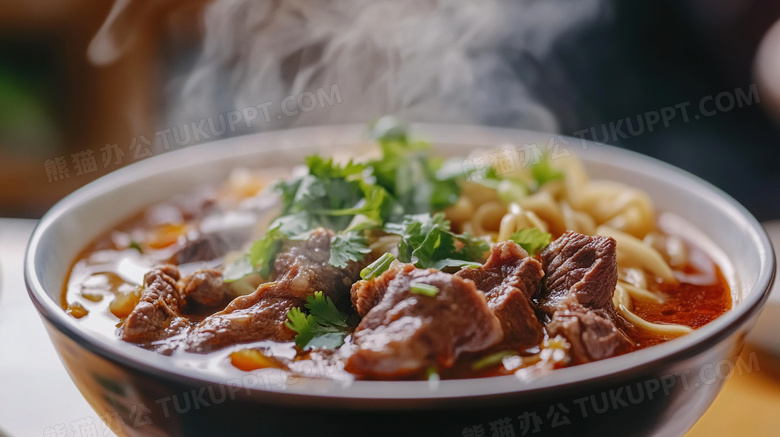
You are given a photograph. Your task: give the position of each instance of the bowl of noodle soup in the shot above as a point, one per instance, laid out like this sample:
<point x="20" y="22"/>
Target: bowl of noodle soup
<point x="661" y="218"/>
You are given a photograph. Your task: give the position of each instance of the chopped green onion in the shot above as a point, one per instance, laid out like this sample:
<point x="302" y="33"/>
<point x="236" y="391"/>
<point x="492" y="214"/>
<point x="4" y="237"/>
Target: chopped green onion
<point x="432" y="375"/>
<point x="135" y="245"/>
<point x="377" y="267"/>
<point x="424" y="289"/>
<point x="492" y="359"/>
<point x="544" y="172"/>
<point x="510" y="190"/>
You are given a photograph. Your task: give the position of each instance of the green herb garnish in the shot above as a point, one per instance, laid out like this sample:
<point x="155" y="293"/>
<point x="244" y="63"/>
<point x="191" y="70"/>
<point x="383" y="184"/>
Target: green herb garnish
<point x="432" y="375"/>
<point x="355" y="199"/>
<point x="427" y="242"/>
<point x="513" y="189"/>
<point x="330" y="196"/>
<point x="419" y="182"/>
<point x="323" y="327"/>
<point x="377" y="267"/>
<point x="532" y="240"/>
<point x="237" y="269"/>
<point x="135" y="245"/>
<point x="492" y="360"/>
<point x="423" y="289"/>
<point x="346" y="247"/>
<point x="543" y="172"/>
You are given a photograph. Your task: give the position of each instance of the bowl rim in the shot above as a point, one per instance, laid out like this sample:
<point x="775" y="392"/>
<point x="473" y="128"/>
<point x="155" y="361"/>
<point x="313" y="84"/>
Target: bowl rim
<point x="398" y="393"/>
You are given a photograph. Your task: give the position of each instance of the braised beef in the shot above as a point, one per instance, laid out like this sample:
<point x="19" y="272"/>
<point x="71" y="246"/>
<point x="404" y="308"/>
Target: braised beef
<point x="580" y="279"/>
<point x="254" y="317"/>
<point x="404" y="333"/>
<point x="156" y="316"/>
<point x="509" y="279"/>
<point x="365" y="295"/>
<point x="205" y="289"/>
<point x="305" y="269"/>
<point x="299" y="272"/>
<point x="207" y="247"/>
<point x="579" y="268"/>
<point x="592" y="334"/>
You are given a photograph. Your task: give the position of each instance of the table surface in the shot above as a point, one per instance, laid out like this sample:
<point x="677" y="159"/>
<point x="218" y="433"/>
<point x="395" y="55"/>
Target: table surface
<point x="37" y="397"/>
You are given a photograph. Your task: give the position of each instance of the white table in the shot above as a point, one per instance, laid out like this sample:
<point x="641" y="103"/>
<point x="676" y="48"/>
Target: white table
<point x="37" y="397"/>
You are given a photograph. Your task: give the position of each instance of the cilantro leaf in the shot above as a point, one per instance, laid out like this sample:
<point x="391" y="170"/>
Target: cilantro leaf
<point x="310" y="189"/>
<point x="387" y="129"/>
<point x="352" y="198"/>
<point x="374" y="205"/>
<point x="408" y="173"/>
<point x="472" y="248"/>
<point x="324" y="311"/>
<point x="532" y="240"/>
<point x="346" y="247"/>
<point x="263" y="251"/>
<point x="237" y="269"/>
<point x="329" y="194"/>
<point x="326" y="169"/>
<point x="427" y="242"/>
<point x="323" y="327"/>
<point x="302" y="324"/>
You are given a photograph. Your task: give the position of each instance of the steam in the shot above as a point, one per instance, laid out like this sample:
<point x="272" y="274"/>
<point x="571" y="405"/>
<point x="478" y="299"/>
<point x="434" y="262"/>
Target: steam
<point x="424" y="60"/>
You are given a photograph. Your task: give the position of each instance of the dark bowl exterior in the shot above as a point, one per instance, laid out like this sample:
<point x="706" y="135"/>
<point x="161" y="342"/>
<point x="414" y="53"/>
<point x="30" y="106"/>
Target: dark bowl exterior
<point x="664" y="399"/>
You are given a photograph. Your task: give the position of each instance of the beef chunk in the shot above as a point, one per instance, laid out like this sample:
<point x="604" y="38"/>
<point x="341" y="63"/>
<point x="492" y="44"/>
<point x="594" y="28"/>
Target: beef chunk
<point x="580" y="279"/>
<point x="205" y="289"/>
<point x="207" y="247"/>
<point x="405" y="333"/>
<point x="304" y="269"/>
<point x="254" y="317"/>
<point x="593" y="334"/>
<point x="365" y="295"/>
<point x="581" y="269"/>
<point x="298" y="273"/>
<point x="509" y="278"/>
<point x="156" y="316"/>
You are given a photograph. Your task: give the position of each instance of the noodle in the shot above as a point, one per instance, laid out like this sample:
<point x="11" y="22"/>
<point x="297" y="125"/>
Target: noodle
<point x="460" y="211"/>
<point x="632" y="252"/>
<point x="487" y="218"/>
<point x="544" y="206"/>
<point x="657" y="328"/>
<point x="591" y="207"/>
<point x="517" y="219"/>
<point x="639" y="293"/>
<point x="617" y="205"/>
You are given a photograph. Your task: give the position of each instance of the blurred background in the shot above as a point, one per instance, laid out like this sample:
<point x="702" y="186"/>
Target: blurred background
<point x="87" y="87"/>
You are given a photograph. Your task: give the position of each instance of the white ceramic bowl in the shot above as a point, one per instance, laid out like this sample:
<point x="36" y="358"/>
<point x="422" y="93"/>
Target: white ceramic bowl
<point x="674" y="377"/>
